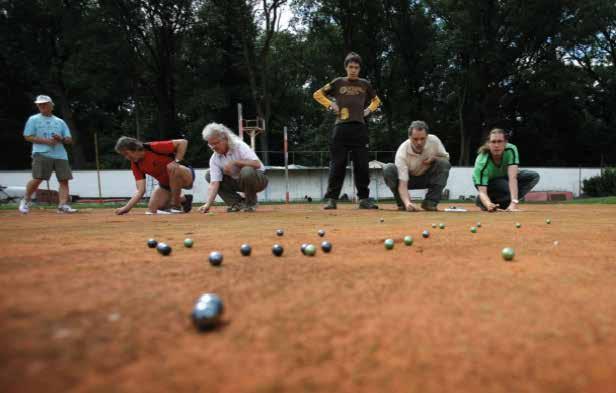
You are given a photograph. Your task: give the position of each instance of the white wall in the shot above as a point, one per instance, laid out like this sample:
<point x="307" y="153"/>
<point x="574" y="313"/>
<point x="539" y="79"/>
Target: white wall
<point x="309" y="181"/>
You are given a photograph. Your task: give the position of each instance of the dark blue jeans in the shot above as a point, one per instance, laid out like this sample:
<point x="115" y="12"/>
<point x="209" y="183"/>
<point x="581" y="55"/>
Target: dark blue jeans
<point x="498" y="188"/>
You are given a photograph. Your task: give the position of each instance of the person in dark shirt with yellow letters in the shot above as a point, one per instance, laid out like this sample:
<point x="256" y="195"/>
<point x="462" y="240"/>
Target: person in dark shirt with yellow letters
<point x="350" y="95"/>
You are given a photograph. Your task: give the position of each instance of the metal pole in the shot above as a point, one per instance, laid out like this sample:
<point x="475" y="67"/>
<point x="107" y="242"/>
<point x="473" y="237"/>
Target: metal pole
<point x="580" y="181"/>
<point x="240" y="128"/>
<point x="98" y="168"/>
<point x="286" y="166"/>
<point x="252" y="140"/>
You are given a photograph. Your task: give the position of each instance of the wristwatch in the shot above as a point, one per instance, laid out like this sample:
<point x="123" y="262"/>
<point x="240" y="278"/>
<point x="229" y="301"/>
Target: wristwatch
<point x="515" y="201"/>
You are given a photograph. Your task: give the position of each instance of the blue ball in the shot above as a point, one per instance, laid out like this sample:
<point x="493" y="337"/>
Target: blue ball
<point x="245" y="249"/>
<point x="277" y="250"/>
<point x="215" y="258"/>
<point x="326" y="246"/>
<point x="163" y="248"/>
<point x="207" y="311"/>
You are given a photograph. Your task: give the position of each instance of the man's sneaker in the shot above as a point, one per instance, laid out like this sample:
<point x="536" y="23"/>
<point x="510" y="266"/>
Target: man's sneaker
<point x="24" y="206"/>
<point x="367" y="203"/>
<point x="187" y="204"/>
<point x="236" y="207"/>
<point x="429" y="206"/>
<point x="175" y="210"/>
<point x="66" y="209"/>
<point x="331" y="204"/>
<point x="249" y="209"/>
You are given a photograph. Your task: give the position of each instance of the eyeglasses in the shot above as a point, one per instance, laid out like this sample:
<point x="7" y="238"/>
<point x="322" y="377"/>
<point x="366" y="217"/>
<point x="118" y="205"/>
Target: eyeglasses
<point x="497" y="142"/>
<point x="215" y="143"/>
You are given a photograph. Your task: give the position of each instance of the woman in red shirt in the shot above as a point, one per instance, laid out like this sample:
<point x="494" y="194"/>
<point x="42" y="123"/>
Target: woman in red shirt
<point x="163" y="161"/>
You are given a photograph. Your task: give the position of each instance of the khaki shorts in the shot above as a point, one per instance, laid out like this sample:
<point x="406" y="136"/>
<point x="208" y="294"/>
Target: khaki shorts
<point x="43" y="166"/>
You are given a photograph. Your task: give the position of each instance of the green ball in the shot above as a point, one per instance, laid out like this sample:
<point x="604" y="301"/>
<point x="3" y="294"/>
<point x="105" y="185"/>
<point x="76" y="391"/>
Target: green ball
<point x="408" y="240"/>
<point x="508" y="253"/>
<point x="474" y="229"/>
<point x="188" y="243"/>
<point x="389" y="244"/>
<point x="548" y="221"/>
<point x="441" y="225"/>
<point x="478" y="225"/>
<point x="518" y="225"/>
<point x="310" y="250"/>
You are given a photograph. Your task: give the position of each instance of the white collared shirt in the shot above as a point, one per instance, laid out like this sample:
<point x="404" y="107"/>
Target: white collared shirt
<point x="410" y="163"/>
<point x="240" y="152"/>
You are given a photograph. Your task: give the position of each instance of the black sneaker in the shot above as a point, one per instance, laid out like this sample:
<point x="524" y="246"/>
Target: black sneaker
<point x="367" y="203"/>
<point x="187" y="204"/>
<point x="331" y="204"/>
<point x="236" y="207"/>
<point x="429" y="206"/>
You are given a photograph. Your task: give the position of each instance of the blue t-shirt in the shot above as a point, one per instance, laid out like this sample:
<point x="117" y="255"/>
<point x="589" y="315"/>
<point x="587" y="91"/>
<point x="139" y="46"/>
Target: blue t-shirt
<point x="45" y="127"/>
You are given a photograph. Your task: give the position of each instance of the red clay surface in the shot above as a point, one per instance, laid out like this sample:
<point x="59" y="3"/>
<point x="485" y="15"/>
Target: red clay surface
<point x="85" y="306"/>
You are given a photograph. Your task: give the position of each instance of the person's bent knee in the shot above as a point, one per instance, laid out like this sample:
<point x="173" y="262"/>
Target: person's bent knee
<point x="390" y="171"/>
<point x="171" y="167"/>
<point x="247" y="171"/>
<point x="534" y="176"/>
<point x="442" y="164"/>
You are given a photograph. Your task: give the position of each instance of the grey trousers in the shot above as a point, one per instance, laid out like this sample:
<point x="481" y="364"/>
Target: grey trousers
<point x="250" y="182"/>
<point x="498" y="188"/>
<point x="435" y="180"/>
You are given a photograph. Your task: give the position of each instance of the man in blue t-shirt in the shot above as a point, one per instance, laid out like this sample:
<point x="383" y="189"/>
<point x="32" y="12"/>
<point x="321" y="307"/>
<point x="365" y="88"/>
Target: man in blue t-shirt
<point x="48" y="134"/>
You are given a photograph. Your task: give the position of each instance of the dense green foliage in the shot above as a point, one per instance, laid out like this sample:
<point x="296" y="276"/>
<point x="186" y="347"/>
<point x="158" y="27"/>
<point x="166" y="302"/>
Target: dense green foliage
<point x="164" y="68"/>
<point x="602" y="185"/>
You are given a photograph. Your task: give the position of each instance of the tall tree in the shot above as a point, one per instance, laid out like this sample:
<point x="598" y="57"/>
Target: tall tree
<point x="155" y="29"/>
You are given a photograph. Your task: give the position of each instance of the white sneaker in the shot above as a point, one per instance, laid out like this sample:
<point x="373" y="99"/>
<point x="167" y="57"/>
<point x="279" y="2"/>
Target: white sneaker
<point x="66" y="209"/>
<point x="24" y="206"/>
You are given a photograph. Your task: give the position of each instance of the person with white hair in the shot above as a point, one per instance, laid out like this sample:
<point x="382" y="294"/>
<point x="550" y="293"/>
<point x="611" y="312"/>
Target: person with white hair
<point x="234" y="167"/>
<point x="48" y="135"/>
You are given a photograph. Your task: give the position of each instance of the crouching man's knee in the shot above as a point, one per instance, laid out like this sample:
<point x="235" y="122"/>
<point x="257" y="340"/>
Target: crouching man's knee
<point x="390" y="175"/>
<point x="247" y="171"/>
<point x="441" y="165"/>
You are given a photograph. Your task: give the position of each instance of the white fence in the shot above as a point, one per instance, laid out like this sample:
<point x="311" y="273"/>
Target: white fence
<point x="302" y="182"/>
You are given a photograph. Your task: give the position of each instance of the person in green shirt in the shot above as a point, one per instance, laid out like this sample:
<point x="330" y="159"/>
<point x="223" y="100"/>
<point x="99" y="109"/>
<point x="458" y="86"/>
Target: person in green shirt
<point x="497" y="176"/>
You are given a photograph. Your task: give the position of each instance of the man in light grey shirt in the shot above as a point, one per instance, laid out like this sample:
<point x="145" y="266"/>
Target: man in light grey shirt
<point x="421" y="162"/>
<point x="234" y="167"/>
